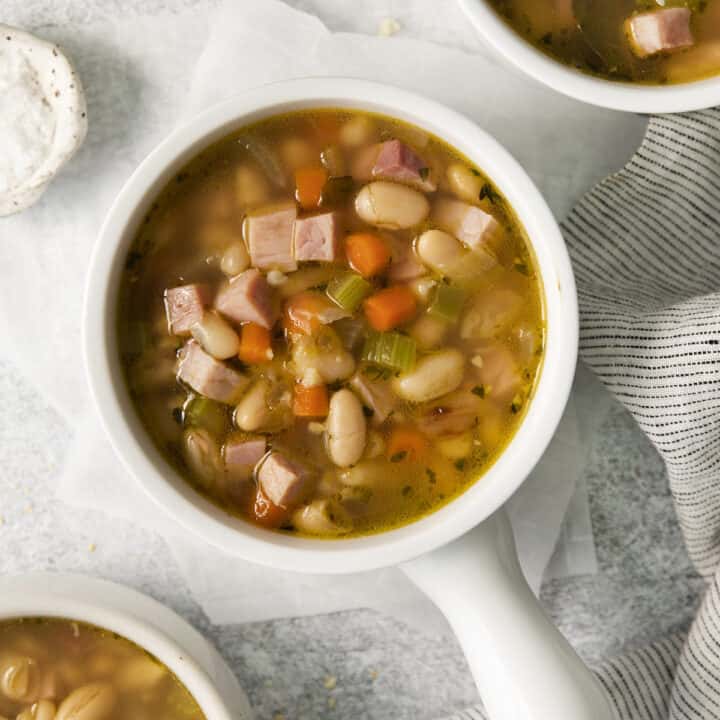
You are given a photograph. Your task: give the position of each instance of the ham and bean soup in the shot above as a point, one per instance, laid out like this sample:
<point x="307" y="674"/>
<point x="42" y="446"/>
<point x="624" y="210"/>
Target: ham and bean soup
<point x="645" y="41"/>
<point x="63" y="670"/>
<point x="331" y="323"/>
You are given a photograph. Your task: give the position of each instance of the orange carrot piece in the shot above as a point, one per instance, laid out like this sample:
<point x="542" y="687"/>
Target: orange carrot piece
<point x="309" y="184"/>
<point x="255" y="344"/>
<point x="391" y="307"/>
<point x="303" y="311"/>
<point x="310" y="401"/>
<point x="406" y="443"/>
<point x="367" y="253"/>
<point x="264" y="512"/>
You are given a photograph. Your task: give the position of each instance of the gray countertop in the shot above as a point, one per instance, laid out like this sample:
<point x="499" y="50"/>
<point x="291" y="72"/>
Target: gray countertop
<point x="645" y="585"/>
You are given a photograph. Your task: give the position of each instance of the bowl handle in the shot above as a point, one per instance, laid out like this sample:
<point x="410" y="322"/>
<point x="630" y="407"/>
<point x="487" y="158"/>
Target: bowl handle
<point x="523" y="667"/>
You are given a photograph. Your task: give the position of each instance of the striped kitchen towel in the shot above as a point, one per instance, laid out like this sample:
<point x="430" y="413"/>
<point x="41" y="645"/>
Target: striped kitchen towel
<point x="645" y="246"/>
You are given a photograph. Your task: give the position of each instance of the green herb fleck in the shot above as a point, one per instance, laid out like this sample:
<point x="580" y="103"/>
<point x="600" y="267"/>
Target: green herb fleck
<point x="398" y="456"/>
<point x="177" y="413"/>
<point x="460" y="464"/>
<point x="432" y="475"/>
<point x="475" y="172"/>
<point x="424" y="172"/>
<point x="547" y="38"/>
<point x="521" y="267"/>
<point x="479" y="390"/>
<point x="407" y="490"/>
<point x="487" y="191"/>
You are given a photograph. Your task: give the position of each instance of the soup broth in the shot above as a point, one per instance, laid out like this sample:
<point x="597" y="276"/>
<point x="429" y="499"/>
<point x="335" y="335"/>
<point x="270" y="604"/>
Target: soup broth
<point x="639" y="41"/>
<point x="331" y="323"/>
<point x="54" y="669"/>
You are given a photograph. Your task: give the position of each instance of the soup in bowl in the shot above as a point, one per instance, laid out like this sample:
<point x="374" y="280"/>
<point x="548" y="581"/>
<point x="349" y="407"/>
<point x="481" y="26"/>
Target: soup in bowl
<point x="330" y="309"/>
<point x="75" y="648"/>
<point x="636" y="55"/>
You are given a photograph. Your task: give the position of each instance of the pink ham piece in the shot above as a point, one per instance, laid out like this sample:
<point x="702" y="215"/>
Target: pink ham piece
<point x="248" y="298"/>
<point x="404" y="264"/>
<point x="393" y="160"/>
<point x="208" y="376"/>
<point x="470" y="224"/>
<point x="498" y="373"/>
<point x="242" y="455"/>
<point x="184" y="306"/>
<point x="270" y="237"/>
<point x="284" y="483"/>
<point x="317" y="237"/>
<point x="657" y="31"/>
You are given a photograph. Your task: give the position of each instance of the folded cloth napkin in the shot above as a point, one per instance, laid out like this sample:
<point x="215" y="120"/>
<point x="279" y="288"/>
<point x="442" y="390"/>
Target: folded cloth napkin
<point x="644" y="246"/>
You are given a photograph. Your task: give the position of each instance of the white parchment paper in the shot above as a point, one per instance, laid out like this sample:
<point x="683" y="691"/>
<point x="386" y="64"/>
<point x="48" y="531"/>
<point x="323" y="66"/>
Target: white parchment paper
<point x="142" y="78"/>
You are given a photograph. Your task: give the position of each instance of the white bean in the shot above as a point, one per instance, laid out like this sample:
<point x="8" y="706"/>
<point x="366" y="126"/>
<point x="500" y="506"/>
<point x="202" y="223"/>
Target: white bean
<point x="41" y="710"/>
<point x="439" y="250"/>
<point x="19" y="678"/>
<point x="345" y="428"/>
<point x="322" y="517"/>
<point x="139" y="674"/>
<point x="464" y="182"/>
<point x="455" y="447"/>
<point x="89" y="702"/>
<point x="391" y="205"/>
<point x="216" y="336"/>
<point x="235" y="259"/>
<point x="357" y="131"/>
<point x="252" y="412"/>
<point x="433" y="376"/>
<point x="251" y="186"/>
<point x="422" y="288"/>
<point x="428" y="331"/>
<point x="297" y="152"/>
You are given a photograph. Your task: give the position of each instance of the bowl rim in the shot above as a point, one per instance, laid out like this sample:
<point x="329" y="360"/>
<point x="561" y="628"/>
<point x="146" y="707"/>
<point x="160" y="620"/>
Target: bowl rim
<point x="615" y="95"/>
<point x="135" y="617"/>
<point x="282" y="551"/>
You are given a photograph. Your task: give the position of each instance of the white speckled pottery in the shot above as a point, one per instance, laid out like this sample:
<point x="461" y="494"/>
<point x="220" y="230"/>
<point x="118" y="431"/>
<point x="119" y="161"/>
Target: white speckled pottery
<point x="62" y="90"/>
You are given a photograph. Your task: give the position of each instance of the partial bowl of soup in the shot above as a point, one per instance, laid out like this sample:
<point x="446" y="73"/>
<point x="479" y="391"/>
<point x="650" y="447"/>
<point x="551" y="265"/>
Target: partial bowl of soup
<point x="74" y="648"/>
<point x="633" y="55"/>
<point x="330" y="310"/>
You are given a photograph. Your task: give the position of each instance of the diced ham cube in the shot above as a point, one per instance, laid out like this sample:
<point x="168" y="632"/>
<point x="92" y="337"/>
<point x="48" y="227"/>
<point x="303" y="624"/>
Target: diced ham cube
<point x="241" y="456"/>
<point x="317" y="237"/>
<point x="404" y="263"/>
<point x="661" y="30"/>
<point x="470" y="224"/>
<point x="375" y="394"/>
<point x="392" y="160"/>
<point x="498" y="372"/>
<point x="270" y="237"/>
<point x="284" y="482"/>
<point x="248" y="298"/>
<point x="208" y="376"/>
<point x="184" y="306"/>
<point x="397" y="161"/>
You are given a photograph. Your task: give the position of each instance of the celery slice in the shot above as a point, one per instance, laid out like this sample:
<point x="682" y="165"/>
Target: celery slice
<point x="391" y="350"/>
<point x="348" y="291"/>
<point x="447" y="303"/>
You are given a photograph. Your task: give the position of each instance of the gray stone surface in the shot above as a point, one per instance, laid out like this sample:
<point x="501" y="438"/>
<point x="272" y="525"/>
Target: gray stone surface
<point x="645" y="585"/>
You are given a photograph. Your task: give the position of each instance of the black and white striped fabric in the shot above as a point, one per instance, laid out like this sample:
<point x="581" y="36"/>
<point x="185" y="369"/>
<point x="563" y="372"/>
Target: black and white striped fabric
<point x="645" y="245"/>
